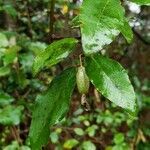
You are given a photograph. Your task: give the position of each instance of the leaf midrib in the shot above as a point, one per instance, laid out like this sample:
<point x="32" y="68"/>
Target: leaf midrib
<point x="118" y="89"/>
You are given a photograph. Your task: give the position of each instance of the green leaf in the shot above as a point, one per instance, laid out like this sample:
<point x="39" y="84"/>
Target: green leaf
<point x="88" y="145"/>
<point x="141" y="2"/>
<point x="54" y="137"/>
<point x="71" y="143"/>
<point x="3" y="40"/>
<point x="111" y="79"/>
<point x="11" y="115"/>
<point x="26" y="61"/>
<point x="15" y="146"/>
<point x="2" y="50"/>
<point x="79" y="131"/>
<point x="4" y="71"/>
<point x="51" y="107"/>
<point x="37" y="47"/>
<point x="54" y="53"/>
<point x="10" y="54"/>
<point x="5" y="99"/>
<point x="92" y="130"/>
<point x="119" y="138"/>
<point x="104" y="22"/>
<point x="10" y="10"/>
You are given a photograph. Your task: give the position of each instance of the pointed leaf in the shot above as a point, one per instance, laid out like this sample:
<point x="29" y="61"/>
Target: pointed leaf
<point x="104" y="22"/>
<point x="50" y="107"/>
<point x="111" y="79"/>
<point x="54" y="53"/>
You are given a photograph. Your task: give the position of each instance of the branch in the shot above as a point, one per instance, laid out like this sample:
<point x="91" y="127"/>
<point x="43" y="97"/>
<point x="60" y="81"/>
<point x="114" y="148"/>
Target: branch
<point x="59" y="37"/>
<point x="140" y="37"/>
<point x="51" y="24"/>
<point x="16" y="135"/>
<point x="26" y="3"/>
<point x="56" y="38"/>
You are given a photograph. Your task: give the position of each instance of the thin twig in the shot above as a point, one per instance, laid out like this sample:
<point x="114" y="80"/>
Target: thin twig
<point x="26" y="94"/>
<point x="51" y="24"/>
<point x="97" y="96"/>
<point x="29" y="17"/>
<point x="61" y="37"/>
<point x="80" y="58"/>
<point x="16" y="135"/>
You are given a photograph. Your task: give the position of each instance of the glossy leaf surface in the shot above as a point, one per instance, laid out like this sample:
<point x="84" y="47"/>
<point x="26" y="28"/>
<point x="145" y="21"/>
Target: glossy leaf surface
<point x="54" y="53"/>
<point x="101" y="21"/>
<point x="111" y="79"/>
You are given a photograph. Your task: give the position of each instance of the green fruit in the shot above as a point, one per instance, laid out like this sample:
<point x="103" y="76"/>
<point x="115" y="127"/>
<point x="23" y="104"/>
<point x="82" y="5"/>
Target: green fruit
<point x="82" y="80"/>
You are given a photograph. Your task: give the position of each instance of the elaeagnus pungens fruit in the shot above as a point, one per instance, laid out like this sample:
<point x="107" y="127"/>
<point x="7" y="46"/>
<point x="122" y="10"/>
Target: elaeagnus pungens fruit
<point x="82" y="80"/>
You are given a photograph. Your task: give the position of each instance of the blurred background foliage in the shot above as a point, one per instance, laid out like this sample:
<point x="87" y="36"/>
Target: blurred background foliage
<point x="24" y="32"/>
